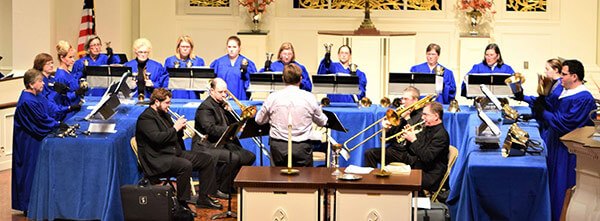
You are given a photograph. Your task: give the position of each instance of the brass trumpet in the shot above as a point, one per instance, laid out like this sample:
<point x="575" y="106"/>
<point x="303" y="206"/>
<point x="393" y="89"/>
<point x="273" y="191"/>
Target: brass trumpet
<point x="393" y="116"/>
<point x="417" y="127"/>
<point x="188" y="130"/>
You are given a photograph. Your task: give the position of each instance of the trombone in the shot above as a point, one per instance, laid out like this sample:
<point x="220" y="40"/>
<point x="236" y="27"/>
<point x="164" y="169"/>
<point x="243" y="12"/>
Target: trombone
<point x="418" y="127"/>
<point x="393" y="117"/>
<point x="175" y="116"/>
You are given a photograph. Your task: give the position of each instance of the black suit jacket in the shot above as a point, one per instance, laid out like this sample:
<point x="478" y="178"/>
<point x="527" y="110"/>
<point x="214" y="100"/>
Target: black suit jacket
<point x="210" y="121"/>
<point x="415" y="117"/>
<point x="158" y="142"/>
<point x="430" y="154"/>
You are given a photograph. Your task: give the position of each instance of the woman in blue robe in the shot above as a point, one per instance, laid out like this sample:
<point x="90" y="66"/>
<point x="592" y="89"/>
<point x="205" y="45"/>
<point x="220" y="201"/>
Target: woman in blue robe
<point x="286" y="56"/>
<point x="574" y="105"/>
<point x="157" y="77"/>
<point x="74" y="95"/>
<point x="94" y="57"/>
<point x="230" y="68"/>
<point x="184" y="54"/>
<point x="433" y="53"/>
<point x="31" y="124"/>
<point x="492" y="64"/>
<point x="328" y="67"/>
<point x="43" y="62"/>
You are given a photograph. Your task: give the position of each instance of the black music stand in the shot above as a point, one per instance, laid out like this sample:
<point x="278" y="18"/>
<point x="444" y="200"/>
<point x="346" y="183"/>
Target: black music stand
<point x="495" y="82"/>
<point x="102" y="76"/>
<point x="252" y="129"/>
<point x="335" y="84"/>
<point x="105" y="109"/>
<point x="267" y="81"/>
<point x="193" y="78"/>
<point x="426" y="82"/>
<point x="333" y="123"/>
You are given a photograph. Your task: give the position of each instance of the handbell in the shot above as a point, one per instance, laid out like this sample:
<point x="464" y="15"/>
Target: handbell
<point x="83" y="83"/>
<point x="439" y="70"/>
<point x="544" y="85"/>
<point x="353" y="68"/>
<point x="176" y="64"/>
<point x="328" y="47"/>
<point x="189" y="63"/>
<point x="454" y="106"/>
<point x="85" y="62"/>
<point x="515" y="82"/>
<point x="510" y="113"/>
<point x="515" y="143"/>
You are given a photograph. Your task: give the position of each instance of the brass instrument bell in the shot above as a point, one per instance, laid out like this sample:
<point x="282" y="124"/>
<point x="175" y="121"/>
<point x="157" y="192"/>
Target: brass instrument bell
<point x="515" y="82"/>
<point x="392" y="117"/>
<point x="328" y="47"/>
<point x="453" y="106"/>
<point x="439" y="70"/>
<point x="176" y="64"/>
<point x="544" y="85"/>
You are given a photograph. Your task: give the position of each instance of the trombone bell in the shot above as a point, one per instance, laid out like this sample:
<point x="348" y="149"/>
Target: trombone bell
<point x="392" y="117"/>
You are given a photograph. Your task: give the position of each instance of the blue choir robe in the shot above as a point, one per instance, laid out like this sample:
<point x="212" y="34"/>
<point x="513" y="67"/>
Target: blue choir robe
<point x="551" y="102"/>
<point x="237" y="83"/>
<point x="56" y="110"/>
<point x="31" y="124"/>
<point x="156" y="73"/>
<point x="78" y="67"/>
<point x="484" y="69"/>
<point x="170" y="63"/>
<point x="449" y="91"/>
<point x="335" y="68"/>
<point x="306" y="84"/>
<point x="571" y="113"/>
<point x="64" y="77"/>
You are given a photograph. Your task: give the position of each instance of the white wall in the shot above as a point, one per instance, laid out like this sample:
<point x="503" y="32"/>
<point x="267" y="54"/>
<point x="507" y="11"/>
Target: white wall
<point x="5" y="35"/>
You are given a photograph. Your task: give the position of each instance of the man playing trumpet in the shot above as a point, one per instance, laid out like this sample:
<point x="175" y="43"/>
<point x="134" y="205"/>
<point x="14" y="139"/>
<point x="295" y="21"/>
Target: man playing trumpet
<point x="427" y="150"/>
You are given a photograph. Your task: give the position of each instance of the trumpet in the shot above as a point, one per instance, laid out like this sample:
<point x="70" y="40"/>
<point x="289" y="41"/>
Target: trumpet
<point x="188" y="127"/>
<point x="417" y="128"/>
<point x="393" y="116"/>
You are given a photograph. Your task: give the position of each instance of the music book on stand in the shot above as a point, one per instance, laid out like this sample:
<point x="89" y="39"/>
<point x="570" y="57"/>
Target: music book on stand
<point x="333" y="122"/>
<point x="102" y="76"/>
<point x="495" y="82"/>
<point x="194" y="78"/>
<point x="335" y="84"/>
<point x="230" y="133"/>
<point x="252" y="129"/>
<point x="266" y="82"/>
<point x="426" y="82"/>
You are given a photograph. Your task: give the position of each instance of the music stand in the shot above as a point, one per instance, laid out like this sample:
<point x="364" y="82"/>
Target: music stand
<point x="102" y="76"/>
<point x="105" y="109"/>
<point x="119" y="86"/>
<point x="335" y="84"/>
<point x="426" y="82"/>
<point x="266" y="81"/>
<point x="333" y="123"/>
<point x="193" y="78"/>
<point x="495" y="82"/>
<point x="252" y="129"/>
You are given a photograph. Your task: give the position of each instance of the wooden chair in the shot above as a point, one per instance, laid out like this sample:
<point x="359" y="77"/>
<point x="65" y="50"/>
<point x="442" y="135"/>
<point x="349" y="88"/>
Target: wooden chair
<point x="452" y="154"/>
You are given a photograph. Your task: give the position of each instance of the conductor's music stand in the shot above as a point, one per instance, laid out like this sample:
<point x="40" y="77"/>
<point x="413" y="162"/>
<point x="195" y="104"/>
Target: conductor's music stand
<point x="252" y="129"/>
<point x="333" y="122"/>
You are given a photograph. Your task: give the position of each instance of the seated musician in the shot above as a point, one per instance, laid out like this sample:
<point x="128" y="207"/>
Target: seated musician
<point x="213" y="117"/>
<point x="287" y="56"/>
<point x="427" y="150"/>
<point x="449" y="88"/>
<point x="161" y="151"/>
<point x="345" y="57"/>
<point x="492" y="64"/>
<point x="297" y="106"/>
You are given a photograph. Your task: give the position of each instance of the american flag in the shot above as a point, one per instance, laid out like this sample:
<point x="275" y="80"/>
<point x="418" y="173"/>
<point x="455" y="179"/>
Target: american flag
<point x="87" y="27"/>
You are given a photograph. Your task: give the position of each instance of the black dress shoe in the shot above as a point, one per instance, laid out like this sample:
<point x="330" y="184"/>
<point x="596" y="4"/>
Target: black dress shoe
<point x="190" y="211"/>
<point x="220" y="195"/>
<point x="205" y="202"/>
<point x="214" y="200"/>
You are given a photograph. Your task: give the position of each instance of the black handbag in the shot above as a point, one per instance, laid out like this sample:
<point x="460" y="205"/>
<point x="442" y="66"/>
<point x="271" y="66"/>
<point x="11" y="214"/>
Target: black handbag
<point x="148" y="202"/>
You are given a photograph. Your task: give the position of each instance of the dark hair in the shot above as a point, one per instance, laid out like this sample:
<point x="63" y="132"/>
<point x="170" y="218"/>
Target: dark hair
<point x="435" y="47"/>
<point x="397" y="102"/>
<point x="416" y="92"/>
<point x="325" y="102"/>
<point x="437" y="108"/>
<point x="555" y="64"/>
<point x="349" y="49"/>
<point x="160" y="94"/>
<point x="236" y="39"/>
<point x="89" y="41"/>
<point x="575" y="67"/>
<point x="496" y="49"/>
<point x="292" y="74"/>
<point x="31" y="76"/>
<point x="40" y="60"/>
<point x="286" y="46"/>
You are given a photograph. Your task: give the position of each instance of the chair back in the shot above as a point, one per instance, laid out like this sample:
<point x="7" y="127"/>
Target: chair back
<point x="452" y="154"/>
<point x="134" y="147"/>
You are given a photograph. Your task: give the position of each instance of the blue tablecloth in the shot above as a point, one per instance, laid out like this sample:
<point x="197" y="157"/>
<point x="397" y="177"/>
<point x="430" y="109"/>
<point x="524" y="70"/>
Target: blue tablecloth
<point x="79" y="178"/>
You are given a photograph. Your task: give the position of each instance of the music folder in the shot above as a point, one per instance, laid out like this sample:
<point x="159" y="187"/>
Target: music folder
<point x="495" y="82"/>
<point x="230" y="133"/>
<point x="252" y="129"/>
<point x="426" y="82"/>
<point x="102" y="76"/>
<point x="267" y="81"/>
<point x="333" y="122"/>
<point x="340" y="83"/>
<point x="193" y="78"/>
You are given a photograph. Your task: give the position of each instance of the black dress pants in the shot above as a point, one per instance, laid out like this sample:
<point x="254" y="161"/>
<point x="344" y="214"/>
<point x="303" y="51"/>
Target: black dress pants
<point x="373" y="156"/>
<point x="301" y="153"/>
<point x="182" y="167"/>
<point x="228" y="167"/>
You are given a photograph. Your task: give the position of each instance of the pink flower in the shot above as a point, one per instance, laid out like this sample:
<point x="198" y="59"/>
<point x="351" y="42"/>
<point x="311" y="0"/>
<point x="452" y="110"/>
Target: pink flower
<point x="256" y="6"/>
<point x="476" y="5"/>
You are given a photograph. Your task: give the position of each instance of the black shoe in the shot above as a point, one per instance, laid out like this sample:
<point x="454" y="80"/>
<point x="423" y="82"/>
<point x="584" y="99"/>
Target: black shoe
<point x="220" y="195"/>
<point x="187" y="209"/>
<point x="205" y="202"/>
<point x="214" y="200"/>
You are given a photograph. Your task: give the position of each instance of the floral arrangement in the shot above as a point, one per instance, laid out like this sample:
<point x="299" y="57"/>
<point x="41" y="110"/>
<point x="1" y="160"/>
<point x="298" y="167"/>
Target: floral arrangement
<point x="476" y="5"/>
<point x="256" y="6"/>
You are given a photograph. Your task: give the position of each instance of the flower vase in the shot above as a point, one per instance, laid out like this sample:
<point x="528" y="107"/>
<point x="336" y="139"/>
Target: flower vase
<point x="474" y="17"/>
<point x="256" y="22"/>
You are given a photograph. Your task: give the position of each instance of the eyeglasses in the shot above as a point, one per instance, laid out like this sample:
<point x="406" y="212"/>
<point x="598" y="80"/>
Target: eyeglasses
<point x="95" y="45"/>
<point x="564" y="74"/>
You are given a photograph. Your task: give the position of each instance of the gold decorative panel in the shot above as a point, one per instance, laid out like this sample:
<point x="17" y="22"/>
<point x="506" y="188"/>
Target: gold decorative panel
<point x="526" y="5"/>
<point x="209" y="3"/>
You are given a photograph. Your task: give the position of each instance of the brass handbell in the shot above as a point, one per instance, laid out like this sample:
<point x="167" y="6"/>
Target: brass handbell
<point x="176" y="64"/>
<point x="544" y="85"/>
<point x="189" y="64"/>
<point x="83" y="83"/>
<point x="510" y="113"/>
<point x="453" y="106"/>
<point x="86" y="62"/>
<point x="515" y="143"/>
<point x="515" y="82"/>
<point x="353" y="68"/>
<point x="328" y="47"/>
<point x="439" y="70"/>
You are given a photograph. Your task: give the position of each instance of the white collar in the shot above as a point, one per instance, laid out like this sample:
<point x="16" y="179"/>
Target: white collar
<point x="566" y="93"/>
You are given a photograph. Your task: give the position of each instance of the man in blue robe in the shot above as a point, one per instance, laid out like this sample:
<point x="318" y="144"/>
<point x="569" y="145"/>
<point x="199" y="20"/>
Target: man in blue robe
<point x="185" y="58"/>
<point x="328" y="67"/>
<point x="449" y="89"/>
<point x="31" y="124"/>
<point x="492" y="64"/>
<point x="574" y="105"/>
<point x="94" y="57"/>
<point x="235" y="69"/>
<point x="151" y="74"/>
<point x="286" y="56"/>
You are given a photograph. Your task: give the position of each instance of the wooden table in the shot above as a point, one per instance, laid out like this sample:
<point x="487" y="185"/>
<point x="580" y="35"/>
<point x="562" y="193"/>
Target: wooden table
<point x="584" y="204"/>
<point x="266" y="194"/>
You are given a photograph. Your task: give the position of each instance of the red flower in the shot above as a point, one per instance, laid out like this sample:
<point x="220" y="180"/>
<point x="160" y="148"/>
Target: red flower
<point x="476" y="5"/>
<point x="256" y="6"/>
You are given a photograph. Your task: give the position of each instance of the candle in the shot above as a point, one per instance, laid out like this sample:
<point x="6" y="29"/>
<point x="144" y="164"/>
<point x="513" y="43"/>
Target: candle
<point x="382" y="150"/>
<point x="290" y="139"/>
